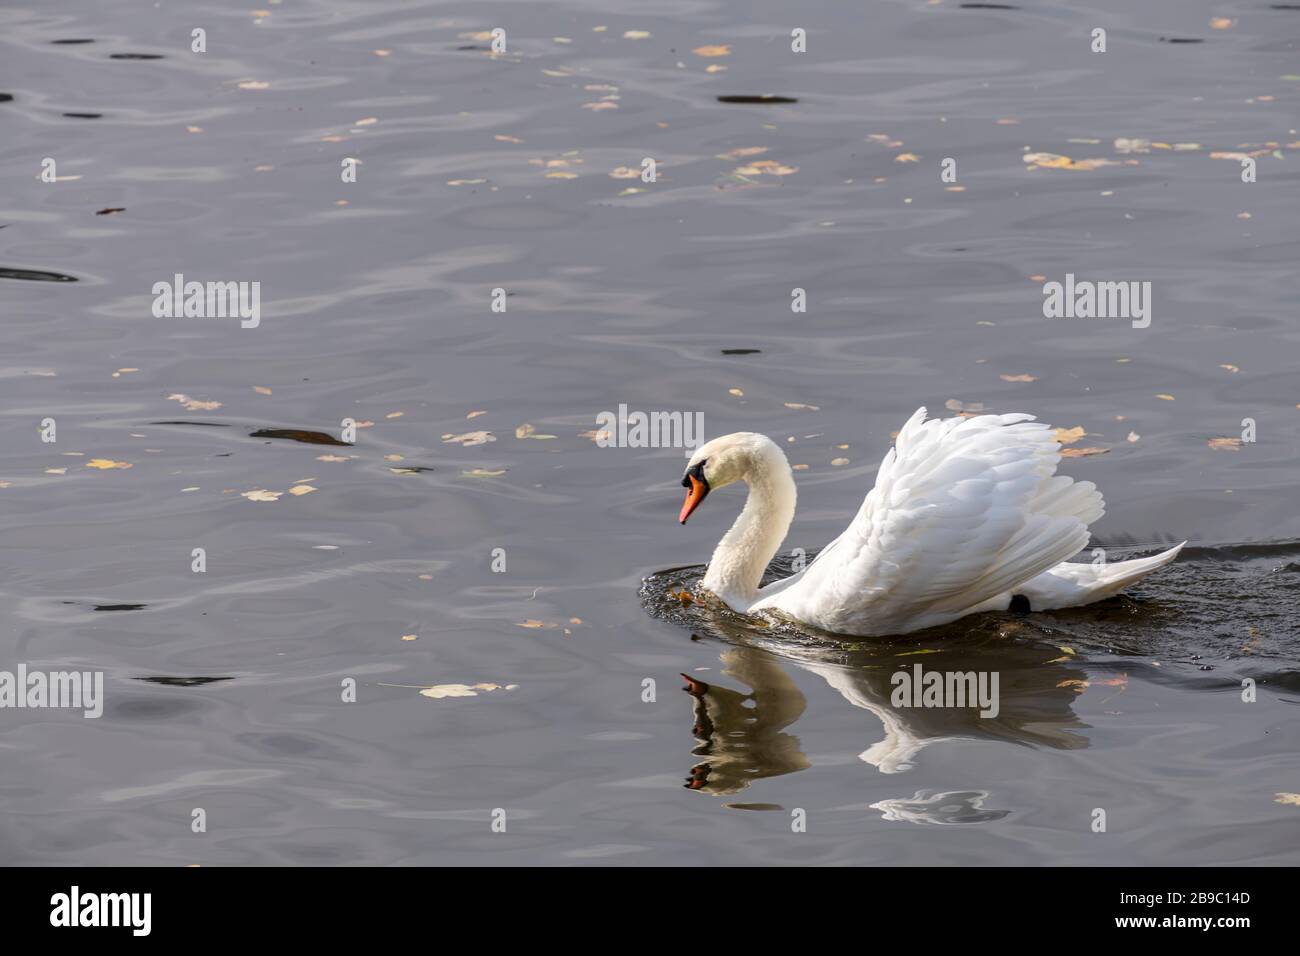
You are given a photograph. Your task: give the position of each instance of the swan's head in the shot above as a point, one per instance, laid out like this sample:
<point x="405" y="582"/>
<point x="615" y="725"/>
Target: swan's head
<point x="718" y="463"/>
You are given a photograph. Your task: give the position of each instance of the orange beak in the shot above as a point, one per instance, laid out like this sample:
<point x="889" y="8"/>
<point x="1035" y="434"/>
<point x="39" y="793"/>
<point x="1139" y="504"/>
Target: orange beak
<point x="694" y="495"/>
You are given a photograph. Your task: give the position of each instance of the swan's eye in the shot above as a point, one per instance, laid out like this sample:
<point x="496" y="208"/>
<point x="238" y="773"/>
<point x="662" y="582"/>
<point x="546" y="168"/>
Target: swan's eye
<point x="696" y="471"/>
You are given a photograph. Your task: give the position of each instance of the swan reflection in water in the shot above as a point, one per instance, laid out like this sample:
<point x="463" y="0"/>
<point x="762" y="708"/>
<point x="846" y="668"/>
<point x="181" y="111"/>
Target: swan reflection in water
<point x="744" y="735"/>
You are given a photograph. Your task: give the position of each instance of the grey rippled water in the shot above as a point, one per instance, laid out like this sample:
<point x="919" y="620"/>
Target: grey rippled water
<point x="520" y="170"/>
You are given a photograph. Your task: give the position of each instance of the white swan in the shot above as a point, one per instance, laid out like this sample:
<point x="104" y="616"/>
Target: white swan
<point x="966" y="514"/>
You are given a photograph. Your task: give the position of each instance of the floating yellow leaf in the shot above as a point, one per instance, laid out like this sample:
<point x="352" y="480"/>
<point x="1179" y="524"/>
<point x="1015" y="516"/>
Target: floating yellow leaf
<point x="623" y="172"/>
<point x="331" y="457"/>
<point x="438" y="691"/>
<point x="533" y="623"/>
<point x="56" y="471"/>
<point x="1165" y="396"/>
<point x="1230" y="368"/>
<point x="254" y="85"/>
<point x="261" y="390"/>
<point x="1224" y="444"/>
<point x="528" y="431"/>
<point x="1018" y="378"/>
<point x="1057" y="161"/>
<point x="261" y="494"/>
<point x="469" y="438"/>
<point x="907" y="158"/>
<point x="476" y="414"/>
<point x="720" y="49"/>
<point x="301" y="490"/>
<point x="395" y="414"/>
<point x="766" y="167"/>
<point x="1291" y="799"/>
<point x="107" y="463"/>
<point x="408" y="637"/>
<point x="636" y="34"/>
<point x="193" y="404"/>
<point x="483" y="473"/>
<point x="800" y="406"/>
<point x="1222" y="23"/>
<point x="1068" y="436"/>
<point x="465" y="182"/>
<point x="837" y="462"/>
<point x="739" y="393"/>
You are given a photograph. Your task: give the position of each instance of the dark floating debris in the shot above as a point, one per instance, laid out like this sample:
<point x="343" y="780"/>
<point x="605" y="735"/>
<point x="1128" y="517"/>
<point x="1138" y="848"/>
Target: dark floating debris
<point x="753" y="806"/>
<point x="182" y="681"/>
<point x="135" y="56"/>
<point x="764" y="99"/>
<point x="120" y="607"/>
<point x="64" y="42"/>
<point x="473" y="46"/>
<point x="6" y="97"/>
<point x="83" y="115"/>
<point x="208" y="424"/>
<point x="1181" y="40"/>
<point x="110" y="210"/>
<point x="411" y="469"/>
<point x="298" y="434"/>
<point x="741" y="351"/>
<point x="34" y="275"/>
<point x="987" y="6"/>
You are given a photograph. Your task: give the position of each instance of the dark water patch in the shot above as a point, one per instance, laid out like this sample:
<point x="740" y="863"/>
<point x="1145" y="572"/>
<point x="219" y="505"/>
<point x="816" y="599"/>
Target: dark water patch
<point x="136" y="56"/>
<point x="205" y="424"/>
<point x="987" y="6"/>
<point x="6" y="97"/>
<point x="473" y="46"/>
<point x="753" y="806"/>
<point x="83" y="115"/>
<point x="34" y="275"/>
<point x="182" y="681"/>
<point x="1284" y="6"/>
<point x="70" y="41"/>
<point x="741" y="351"/>
<point x="110" y="210"/>
<point x="1181" y="40"/>
<point x="411" y="469"/>
<point x="299" y="435"/>
<point x="120" y="607"/>
<point x="761" y="100"/>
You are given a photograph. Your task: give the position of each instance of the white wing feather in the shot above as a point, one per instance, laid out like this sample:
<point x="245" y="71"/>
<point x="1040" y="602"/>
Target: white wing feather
<point x="963" y="511"/>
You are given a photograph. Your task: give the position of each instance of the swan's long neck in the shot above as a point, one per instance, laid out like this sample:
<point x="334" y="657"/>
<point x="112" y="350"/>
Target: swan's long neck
<point x="744" y="552"/>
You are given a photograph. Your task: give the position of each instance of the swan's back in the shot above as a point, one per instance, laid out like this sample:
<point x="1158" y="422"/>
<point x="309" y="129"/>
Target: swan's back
<point x="963" y="510"/>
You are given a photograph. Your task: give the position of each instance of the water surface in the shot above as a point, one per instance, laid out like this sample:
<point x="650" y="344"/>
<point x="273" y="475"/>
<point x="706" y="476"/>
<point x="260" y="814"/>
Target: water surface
<point x="481" y="171"/>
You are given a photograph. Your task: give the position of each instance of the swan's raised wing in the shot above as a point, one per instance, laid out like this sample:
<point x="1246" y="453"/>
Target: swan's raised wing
<point x="963" y="510"/>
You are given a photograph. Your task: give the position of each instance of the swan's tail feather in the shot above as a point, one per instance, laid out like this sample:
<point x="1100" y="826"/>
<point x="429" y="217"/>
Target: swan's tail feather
<point x="1073" y="585"/>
